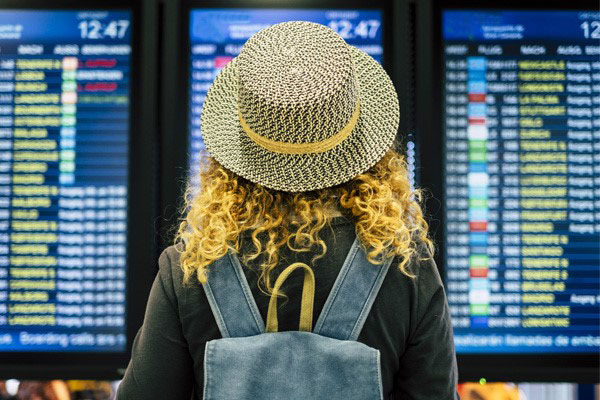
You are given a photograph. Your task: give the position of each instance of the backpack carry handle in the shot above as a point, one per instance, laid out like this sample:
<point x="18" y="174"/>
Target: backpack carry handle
<point x="308" y="298"/>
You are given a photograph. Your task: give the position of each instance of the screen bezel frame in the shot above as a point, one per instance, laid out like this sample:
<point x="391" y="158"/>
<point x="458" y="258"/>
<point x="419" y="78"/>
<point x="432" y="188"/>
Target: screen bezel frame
<point x="140" y="250"/>
<point x="518" y="367"/>
<point x="174" y="141"/>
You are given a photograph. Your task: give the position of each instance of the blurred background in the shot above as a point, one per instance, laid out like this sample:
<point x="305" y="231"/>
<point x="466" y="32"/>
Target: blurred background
<point x="100" y="107"/>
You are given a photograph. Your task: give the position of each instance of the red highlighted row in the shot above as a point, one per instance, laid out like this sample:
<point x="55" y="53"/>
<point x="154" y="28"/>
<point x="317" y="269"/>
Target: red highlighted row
<point x="101" y="63"/>
<point x="478" y="226"/>
<point x="97" y="87"/>
<point x="476" y="97"/>
<point x="478" y="272"/>
<point x="477" y="121"/>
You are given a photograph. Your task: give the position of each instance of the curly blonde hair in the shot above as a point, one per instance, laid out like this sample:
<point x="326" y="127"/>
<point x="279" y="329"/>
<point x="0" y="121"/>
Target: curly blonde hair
<point x="387" y="216"/>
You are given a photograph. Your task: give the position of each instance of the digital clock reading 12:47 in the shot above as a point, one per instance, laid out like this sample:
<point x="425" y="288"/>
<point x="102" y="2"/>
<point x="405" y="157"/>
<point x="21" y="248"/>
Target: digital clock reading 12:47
<point x="94" y="29"/>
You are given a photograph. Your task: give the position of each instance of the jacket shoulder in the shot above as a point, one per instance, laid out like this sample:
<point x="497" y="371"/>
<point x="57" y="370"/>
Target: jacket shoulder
<point x="169" y="269"/>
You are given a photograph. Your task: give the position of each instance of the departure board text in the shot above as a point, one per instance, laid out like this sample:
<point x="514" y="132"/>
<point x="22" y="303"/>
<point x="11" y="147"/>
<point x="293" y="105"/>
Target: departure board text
<point x="64" y="133"/>
<point x="521" y="94"/>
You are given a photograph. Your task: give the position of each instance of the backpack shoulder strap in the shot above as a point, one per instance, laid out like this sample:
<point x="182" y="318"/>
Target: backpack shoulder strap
<point x="352" y="296"/>
<point x="231" y="299"/>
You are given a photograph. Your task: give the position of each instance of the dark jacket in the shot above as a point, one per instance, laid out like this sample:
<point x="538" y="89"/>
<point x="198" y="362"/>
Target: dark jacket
<point x="409" y="324"/>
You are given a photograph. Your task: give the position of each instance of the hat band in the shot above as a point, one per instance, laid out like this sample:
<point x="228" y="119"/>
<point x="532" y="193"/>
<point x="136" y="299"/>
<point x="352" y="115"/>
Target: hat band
<point x="302" y="148"/>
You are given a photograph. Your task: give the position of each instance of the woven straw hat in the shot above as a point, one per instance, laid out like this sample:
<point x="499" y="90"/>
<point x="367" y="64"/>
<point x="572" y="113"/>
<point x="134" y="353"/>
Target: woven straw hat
<point x="299" y="109"/>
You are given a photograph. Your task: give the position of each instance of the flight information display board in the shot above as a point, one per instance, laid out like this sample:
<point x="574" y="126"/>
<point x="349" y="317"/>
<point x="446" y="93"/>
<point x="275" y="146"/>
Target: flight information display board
<point x="64" y="134"/>
<point x="521" y="100"/>
<point x="217" y="36"/>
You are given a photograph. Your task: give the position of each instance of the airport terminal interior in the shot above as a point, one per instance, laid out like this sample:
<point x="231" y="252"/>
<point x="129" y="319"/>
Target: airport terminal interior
<point x="100" y="136"/>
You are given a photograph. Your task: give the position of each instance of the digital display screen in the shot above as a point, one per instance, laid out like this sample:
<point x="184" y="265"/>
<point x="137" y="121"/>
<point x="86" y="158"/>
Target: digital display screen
<point x="64" y="134"/>
<point x="217" y="36"/>
<point x="521" y="101"/>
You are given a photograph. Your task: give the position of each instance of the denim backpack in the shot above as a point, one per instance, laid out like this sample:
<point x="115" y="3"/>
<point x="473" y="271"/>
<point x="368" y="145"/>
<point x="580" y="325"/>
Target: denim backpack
<point x="252" y="361"/>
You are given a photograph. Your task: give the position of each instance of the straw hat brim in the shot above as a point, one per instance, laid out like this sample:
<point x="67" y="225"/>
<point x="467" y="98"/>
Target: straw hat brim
<point x="371" y="138"/>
